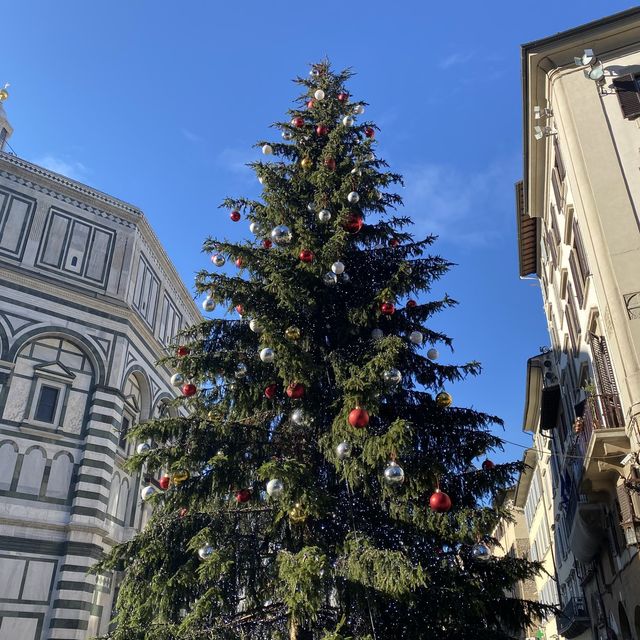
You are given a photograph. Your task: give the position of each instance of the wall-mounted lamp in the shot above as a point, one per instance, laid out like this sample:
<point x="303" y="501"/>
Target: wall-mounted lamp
<point x="542" y="112"/>
<point x="543" y="132"/>
<point x="595" y="70"/>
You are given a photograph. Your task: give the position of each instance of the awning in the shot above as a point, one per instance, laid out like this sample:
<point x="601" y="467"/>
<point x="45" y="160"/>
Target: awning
<point x="550" y="404"/>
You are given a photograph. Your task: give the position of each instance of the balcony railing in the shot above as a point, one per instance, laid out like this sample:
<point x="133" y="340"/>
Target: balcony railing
<point x="574" y="618"/>
<point x="601" y="411"/>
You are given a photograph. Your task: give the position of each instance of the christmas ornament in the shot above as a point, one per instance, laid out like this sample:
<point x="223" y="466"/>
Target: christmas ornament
<point x="266" y="243"/>
<point x="394" y="242"/>
<point x="295" y="390"/>
<point x="189" y="389"/>
<point x="346" y="278"/>
<point x="297" y="515"/>
<point x="292" y="333"/>
<point x="299" y="417"/>
<point x="319" y="94"/>
<point x="239" y="262"/>
<point x="287" y="135"/>
<point x="433" y="354"/>
<point x="343" y="96"/>
<point x="267" y="149"/>
<point x="267" y="355"/>
<point x="377" y="334"/>
<point x="353" y="197"/>
<point x="392" y="376"/>
<point x="387" y="308"/>
<point x="178" y="477"/>
<point x="182" y="512"/>
<point x="443" y="399"/>
<point x="275" y="487"/>
<point x="411" y="304"/>
<point x="281" y="234"/>
<point x="164" y="481"/>
<point x="440" y="502"/>
<point x="218" y="260"/>
<point x="330" y="163"/>
<point x="337" y="268"/>
<point x="205" y="552"/>
<point x="148" y="492"/>
<point x="321" y="130"/>
<point x="243" y="495"/>
<point x="354" y="223"/>
<point x="298" y="122"/>
<point x="235" y="216"/>
<point x="310" y="104"/>
<point x="369" y="132"/>
<point x="306" y="255"/>
<point x="480" y="551"/>
<point x="358" y="418"/>
<point x="358" y="109"/>
<point x="255" y="326"/>
<point x="415" y="337"/>
<point x="241" y="370"/>
<point x="255" y="228"/>
<point x="143" y="447"/>
<point x="177" y="380"/>
<point x="311" y="207"/>
<point x="260" y="179"/>
<point x="240" y="309"/>
<point x="470" y="469"/>
<point x="487" y="465"/>
<point x="182" y="351"/>
<point x="324" y="215"/>
<point x="343" y="451"/>
<point x="393" y="474"/>
<point x="306" y="163"/>
<point x="271" y="391"/>
<point x="348" y="121"/>
<point x="330" y="278"/>
<point x="208" y="304"/>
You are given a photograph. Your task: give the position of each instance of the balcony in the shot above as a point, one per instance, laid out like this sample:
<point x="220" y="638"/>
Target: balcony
<point x="574" y="618"/>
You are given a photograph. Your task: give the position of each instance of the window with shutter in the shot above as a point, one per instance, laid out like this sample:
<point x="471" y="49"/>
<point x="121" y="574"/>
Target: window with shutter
<point x="578" y="246"/>
<point x="626" y="513"/>
<point x="603" y="367"/>
<point x="577" y="278"/>
<point x="628" y="92"/>
<point x="562" y="172"/>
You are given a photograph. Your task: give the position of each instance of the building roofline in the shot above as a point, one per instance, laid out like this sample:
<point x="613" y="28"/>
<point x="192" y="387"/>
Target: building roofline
<point x="533" y="394"/>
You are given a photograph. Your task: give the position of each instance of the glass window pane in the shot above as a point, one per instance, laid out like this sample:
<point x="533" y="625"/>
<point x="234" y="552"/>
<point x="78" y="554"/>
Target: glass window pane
<point x="46" y="409"/>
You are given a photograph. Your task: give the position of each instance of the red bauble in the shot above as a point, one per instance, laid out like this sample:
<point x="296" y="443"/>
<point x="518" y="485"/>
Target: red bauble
<point x="182" y="351"/>
<point x="298" y="122"/>
<point x="306" y="255"/>
<point x="354" y="223"/>
<point x="295" y="390"/>
<point x="394" y="242"/>
<point x="235" y="216"/>
<point x="240" y="309"/>
<point x="267" y="243"/>
<point x="189" y="389"/>
<point x="343" y="96"/>
<point x="271" y="391"/>
<point x="164" y="482"/>
<point x="411" y="304"/>
<point x="310" y="104"/>
<point x="387" y="308"/>
<point x="239" y="262"/>
<point x="244" y="495"/>
<point x="330" y="163"/>
<point x="359" y="418"/>
<point x="369" y="132"/>
<point x="321" y="130"/>
<point x="440" y="502"/>
<point x="487" y="465"/>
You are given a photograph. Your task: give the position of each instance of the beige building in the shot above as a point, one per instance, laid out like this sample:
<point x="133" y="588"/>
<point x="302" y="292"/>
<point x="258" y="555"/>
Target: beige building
<point x="578" y="213"/>
<point x="88" y="303"/>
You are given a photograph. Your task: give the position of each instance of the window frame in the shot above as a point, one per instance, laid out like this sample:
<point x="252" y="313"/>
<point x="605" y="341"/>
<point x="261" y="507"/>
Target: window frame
<point x="62" y="387"/>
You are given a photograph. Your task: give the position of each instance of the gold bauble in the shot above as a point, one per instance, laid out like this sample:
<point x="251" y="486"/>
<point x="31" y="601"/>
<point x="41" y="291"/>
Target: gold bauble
<point x="180" y="476"/>
<point x="292" y="333"/>
<point x="443" y="399"/>
<point x="211" y="416"/>
<point x="4" y="94"/>
<point x="297" y="515"/>
<point x="306" y="163"/>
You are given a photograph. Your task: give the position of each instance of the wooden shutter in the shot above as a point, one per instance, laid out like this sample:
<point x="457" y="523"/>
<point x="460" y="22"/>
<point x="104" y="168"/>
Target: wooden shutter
<point x="602" y="362"/>
<point x="628" y="95"/>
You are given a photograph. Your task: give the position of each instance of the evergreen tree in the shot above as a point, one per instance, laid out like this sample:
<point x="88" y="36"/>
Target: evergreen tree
<point x="319" y="481"/>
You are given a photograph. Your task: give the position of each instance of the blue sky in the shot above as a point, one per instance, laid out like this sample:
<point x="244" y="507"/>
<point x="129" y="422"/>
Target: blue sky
<point x="159" y="104"/>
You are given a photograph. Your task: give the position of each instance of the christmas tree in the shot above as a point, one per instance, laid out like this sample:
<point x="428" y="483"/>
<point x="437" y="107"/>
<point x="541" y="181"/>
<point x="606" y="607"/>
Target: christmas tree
<point x="316" y="481"/>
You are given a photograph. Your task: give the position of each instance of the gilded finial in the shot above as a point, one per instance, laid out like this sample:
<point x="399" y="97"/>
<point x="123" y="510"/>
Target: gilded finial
<point x="4" y="94"/>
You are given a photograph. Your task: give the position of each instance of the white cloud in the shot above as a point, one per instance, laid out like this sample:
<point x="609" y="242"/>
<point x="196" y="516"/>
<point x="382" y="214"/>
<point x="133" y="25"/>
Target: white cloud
<point x="459" y="57"/>
<point x="69" y="169"/>
<point x="190" y="136"/>
<point x="235" y="160"/>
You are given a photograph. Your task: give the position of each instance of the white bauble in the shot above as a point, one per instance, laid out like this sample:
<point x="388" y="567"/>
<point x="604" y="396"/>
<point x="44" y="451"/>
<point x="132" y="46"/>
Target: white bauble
<point x="347" y="121"/>
<point x="177" y="379"/>
<point x="208" y="304"/>
<point x="358" y="109"/>
<point x="353" y="197"/>
<point x="415" y="337"/>
<point x="324" y="215"/>
<point x="337" y="267"/>
<point x="319" y="94"/>
<point x="267" y="149"/>
<point x="255" y="326"/>
<point x="148" y="492"/>
<point x="143" y="447"/>
<point x="433" y="354"/>
<point x="255" y="228"/>
<point x="205" y="552"/>
<point x="392" y="376"/>
<point x="267" y="355"/>
<point x="275" y="487"/>
<point x="343" y="450"/>
<point x="281" y="234"/>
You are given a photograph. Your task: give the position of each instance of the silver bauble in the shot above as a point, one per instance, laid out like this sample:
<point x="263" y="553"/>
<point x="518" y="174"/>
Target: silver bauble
<point x="481" y="551"/>
<point x="347" y="121"/>
<point x="343" y="451"/>
<point x="319" y="94"/>
<point x="148" y="492"/>
<point x="393" y="474"/>
<point x="330" y="278"/>
<point x="324" y="215"/>
<point x="260" y="179"/>
<point x="356" y="172"/>
<point x="415" y="337"/>
<point x="358" y="109"/>
<point x="315" y="72"/>
<point x="143" y="447"/>
<point x="267" y="149"/>
<point x="346" y="277"/>
<point x="377" y="334"/>
<point x="337" y="267"/>
<point x="267" y="355"/>
<point x="353" y="197"/>
<point x="275" y="487"/>
<point x="208" y="304"/>
<point x="177" y="380"/>
<point x="299" y="417"/>
<point x="311" y="207"/>
<point x="218" y="259"/>
<point x="287" y="135"/>
<point x="241" y="370"/>
<point x="255" y="228"/>
<point x="433" y="354"/>
<point x="255" y="326"/>
<point x="205" y="552"/>
<point x="281" y="234"/>
<point x="392" y="376"/>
